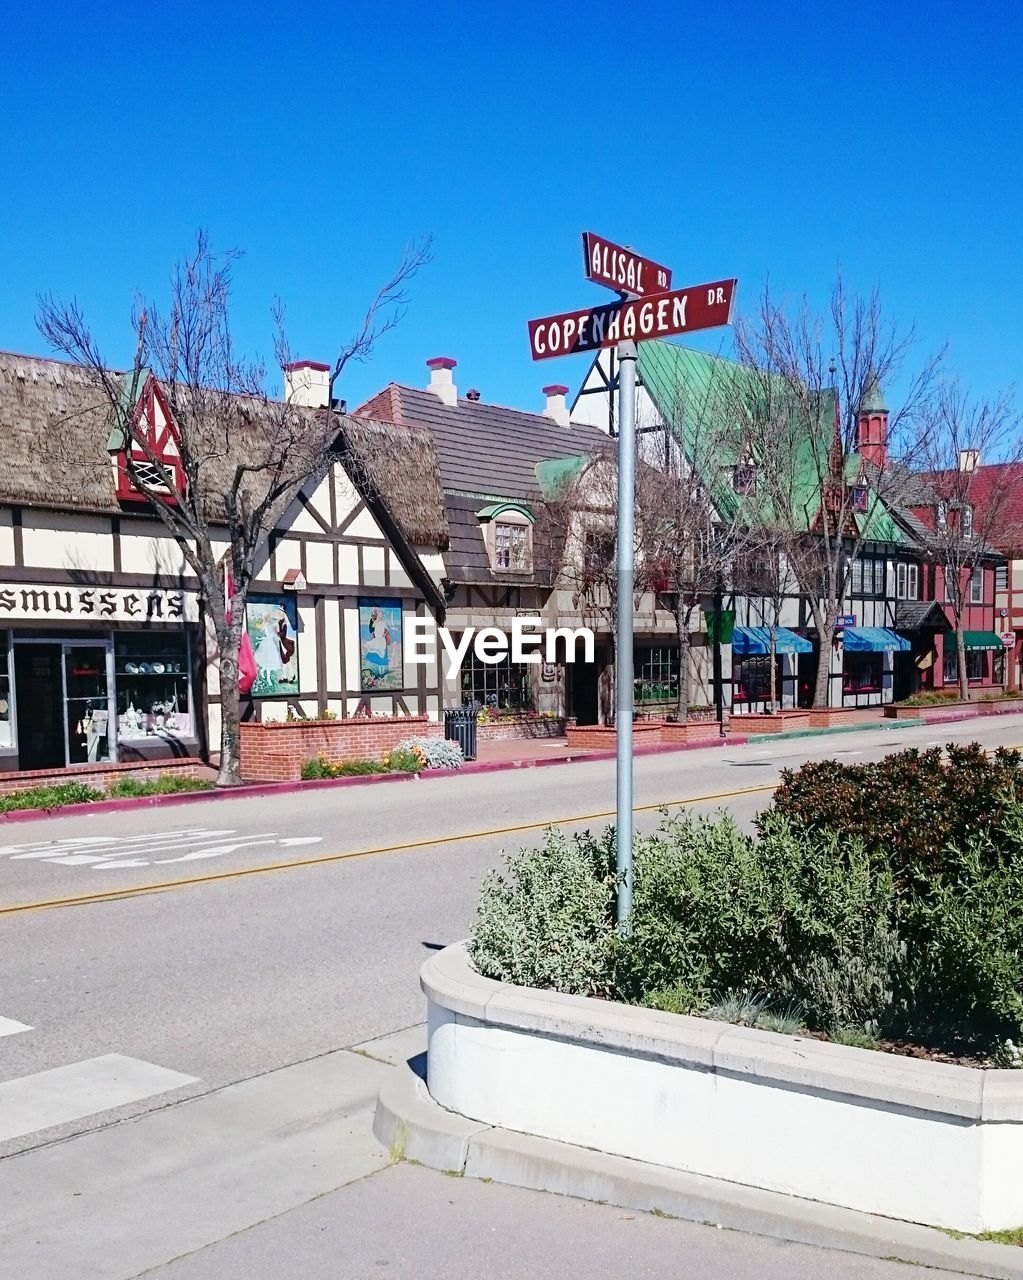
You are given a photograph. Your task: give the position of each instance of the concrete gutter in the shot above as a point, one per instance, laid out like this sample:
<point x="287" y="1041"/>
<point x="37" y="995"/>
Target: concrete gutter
<point x="414" y="1127"/>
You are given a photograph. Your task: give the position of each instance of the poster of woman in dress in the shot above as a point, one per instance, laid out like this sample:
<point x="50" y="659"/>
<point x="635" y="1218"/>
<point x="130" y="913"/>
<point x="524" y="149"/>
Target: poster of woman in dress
<point x="380" y="644"/>
<point x="272" y="624"/>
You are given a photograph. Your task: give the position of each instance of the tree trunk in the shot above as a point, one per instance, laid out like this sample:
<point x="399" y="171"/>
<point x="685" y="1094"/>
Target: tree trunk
<point x="773" y="660"/>
<point x="826" y="635"/>
<point x="684" y="664"/>
<point x="964" y="679"/>
<point x="230" y="699"/>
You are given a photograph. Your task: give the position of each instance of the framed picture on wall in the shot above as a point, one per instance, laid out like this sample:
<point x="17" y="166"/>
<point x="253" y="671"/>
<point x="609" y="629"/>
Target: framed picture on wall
<point x="272" y="624"/>
<point x="380" y="657"/>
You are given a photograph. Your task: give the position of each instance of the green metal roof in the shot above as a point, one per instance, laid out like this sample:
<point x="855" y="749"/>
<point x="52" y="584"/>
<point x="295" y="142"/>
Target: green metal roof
<point x="498" y="508"/>
<point x="552" y="473"/>
<point x="685" y="384"/>
<point x="118" y="434"/>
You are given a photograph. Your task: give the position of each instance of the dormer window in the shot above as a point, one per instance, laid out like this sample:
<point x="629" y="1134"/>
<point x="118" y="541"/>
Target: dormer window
<point x="147" y="458"/>
<point x="508" y="534"/>
<point x="511" y="546"/>
<point x="744" y="478"/>
<point x="967" y="521"/>
<point x="859" y="497"/>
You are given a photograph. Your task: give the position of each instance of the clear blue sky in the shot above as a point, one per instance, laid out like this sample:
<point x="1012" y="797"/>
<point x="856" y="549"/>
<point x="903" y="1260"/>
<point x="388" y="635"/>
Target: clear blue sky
<point x="744" y="139"/>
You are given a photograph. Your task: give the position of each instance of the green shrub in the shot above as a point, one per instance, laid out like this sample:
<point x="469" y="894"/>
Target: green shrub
<point x="321" y="767"/>
<point x="405" y="759"/>
<point x="49" y="797"/>
<point x="166" y="784"/>
<point x="911" y="809"/>
<point x="547" y="922"/>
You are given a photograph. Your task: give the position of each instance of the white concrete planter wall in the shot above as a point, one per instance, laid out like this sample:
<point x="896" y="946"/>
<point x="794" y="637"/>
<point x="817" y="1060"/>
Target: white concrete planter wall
<point x="923" y="1141"/>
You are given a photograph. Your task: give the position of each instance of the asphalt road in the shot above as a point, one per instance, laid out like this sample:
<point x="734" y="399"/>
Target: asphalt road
<point x="258" y="933"/>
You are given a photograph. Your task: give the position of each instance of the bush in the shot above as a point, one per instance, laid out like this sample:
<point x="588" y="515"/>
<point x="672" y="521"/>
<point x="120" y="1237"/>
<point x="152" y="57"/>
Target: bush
<point x="49" y="797"/>
<point x="405" y="759"/>
<point x="913" y="809"/>
<point x="548" y="922"/>
<point x="321" y="767"/>
<point x="437" y="753"/>
<point x="166" y="784"/>
<point x="796" y="924"/>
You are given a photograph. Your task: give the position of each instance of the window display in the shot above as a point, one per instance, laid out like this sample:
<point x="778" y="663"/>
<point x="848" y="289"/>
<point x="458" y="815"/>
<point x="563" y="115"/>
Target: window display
<point x="6" y="738"/>
<point x="152" y="685"/>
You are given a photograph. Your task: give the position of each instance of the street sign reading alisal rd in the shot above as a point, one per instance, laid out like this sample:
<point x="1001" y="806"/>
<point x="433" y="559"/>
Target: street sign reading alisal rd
<point x="621" y="269"/>
<point x="661" y="315"/>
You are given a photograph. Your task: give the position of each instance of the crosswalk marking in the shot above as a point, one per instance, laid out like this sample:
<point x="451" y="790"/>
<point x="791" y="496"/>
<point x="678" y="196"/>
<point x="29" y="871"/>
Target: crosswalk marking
<point x="9" y="1027"/>
<point x="68" y="1093"/>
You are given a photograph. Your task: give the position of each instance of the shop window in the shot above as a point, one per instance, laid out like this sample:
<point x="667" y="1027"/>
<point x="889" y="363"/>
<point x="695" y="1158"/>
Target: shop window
<point x="998" y="665"/>
<point x="950" y="667"/>
<point x="907" y="582"/>
<point x="498" y="686"/>
<point x="512" y="546"/>
<point x="976" y="664"/>
<point x="751" y="678"/>
<point x="151" y="680"/>
<point x="656" y="674"/>
<point x="6" y="736"/>
<point x="862" y="672"/>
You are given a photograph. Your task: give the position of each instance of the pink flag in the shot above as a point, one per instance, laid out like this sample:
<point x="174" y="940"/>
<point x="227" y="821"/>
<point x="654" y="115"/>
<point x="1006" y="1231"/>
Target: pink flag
<point x="247" y="670"/>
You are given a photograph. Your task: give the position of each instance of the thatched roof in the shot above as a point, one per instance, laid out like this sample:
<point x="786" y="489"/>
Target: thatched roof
<point x="55" y="421"/>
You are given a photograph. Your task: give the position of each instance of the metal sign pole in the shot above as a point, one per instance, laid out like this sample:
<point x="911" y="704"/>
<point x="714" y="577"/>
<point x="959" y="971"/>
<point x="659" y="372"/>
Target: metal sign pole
<point x="625" y="574"/>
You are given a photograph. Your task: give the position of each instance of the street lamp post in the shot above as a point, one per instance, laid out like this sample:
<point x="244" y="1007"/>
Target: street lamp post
<point x="625" y="575"/>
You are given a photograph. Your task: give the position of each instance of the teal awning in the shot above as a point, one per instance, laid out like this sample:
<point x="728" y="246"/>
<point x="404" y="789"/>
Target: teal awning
<point x="979" y="640"/>
<point x="873" y="640"/>
<point x="752" y="640"/>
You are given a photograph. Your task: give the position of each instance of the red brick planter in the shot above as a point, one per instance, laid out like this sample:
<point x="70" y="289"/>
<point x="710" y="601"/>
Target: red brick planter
<point x="955" y="710"/>
<point x="508" y="728"/>
<point x="604" y="737"/>
<point x="835" y="717"/>
<point x="276" y="751"/>
<point x="677" y="733"/>
<point x="99" y="775"/>
<point x="760" y="722"/>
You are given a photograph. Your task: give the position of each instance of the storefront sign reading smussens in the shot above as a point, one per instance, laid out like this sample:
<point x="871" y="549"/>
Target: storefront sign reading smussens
<point x="97" y="604"/>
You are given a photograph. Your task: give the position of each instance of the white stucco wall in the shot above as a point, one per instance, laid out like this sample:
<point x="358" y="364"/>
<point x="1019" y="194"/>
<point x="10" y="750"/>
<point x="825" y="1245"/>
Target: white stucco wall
<point x="921" y="1141"/>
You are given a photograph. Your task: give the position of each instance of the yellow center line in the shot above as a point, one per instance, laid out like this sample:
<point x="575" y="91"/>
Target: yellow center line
<point x="137" y="891"/>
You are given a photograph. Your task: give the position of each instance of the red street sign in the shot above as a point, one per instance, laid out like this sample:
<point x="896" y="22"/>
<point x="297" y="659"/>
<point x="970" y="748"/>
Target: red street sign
<point x="621" y="269"/>
<point x="701" y="306"/>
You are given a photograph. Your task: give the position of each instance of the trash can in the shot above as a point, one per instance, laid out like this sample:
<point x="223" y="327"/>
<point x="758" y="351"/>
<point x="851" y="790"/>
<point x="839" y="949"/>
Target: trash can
<point x="460" y="727"/>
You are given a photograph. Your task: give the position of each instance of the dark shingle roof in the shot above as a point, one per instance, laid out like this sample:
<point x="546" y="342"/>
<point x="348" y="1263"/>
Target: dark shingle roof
<point x="485" y="448"/>
<point x="912" y="614"/>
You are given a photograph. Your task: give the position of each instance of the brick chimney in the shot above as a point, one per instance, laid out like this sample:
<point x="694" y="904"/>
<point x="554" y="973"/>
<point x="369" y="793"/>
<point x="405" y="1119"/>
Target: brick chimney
<point x="307" y="383"/>
<point x="441" y="383"/>
<point x="556" y="407"/>
<point x="872" y="425"/>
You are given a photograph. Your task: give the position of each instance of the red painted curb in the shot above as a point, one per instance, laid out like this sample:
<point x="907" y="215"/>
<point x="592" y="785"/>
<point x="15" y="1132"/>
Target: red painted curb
<point x="252" y="790"/>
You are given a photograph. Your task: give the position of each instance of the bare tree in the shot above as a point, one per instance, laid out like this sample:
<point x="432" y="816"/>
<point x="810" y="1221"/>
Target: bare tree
<point x="808" y="375"/>
<point x="577" y="537"/>
<point x="243" y="456"/>
<point x="966" y="507"/>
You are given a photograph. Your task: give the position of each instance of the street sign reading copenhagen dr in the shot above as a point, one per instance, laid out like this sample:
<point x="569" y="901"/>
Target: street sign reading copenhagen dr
<point x="659" y="315"/>
<point x="621" y="269"/>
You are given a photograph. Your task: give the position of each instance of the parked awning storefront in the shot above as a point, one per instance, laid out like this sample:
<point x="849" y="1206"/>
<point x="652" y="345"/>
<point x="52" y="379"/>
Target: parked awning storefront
<point x="980" y="640"/>
<point x="873" y="640"/>
<point x="755" y="640"/>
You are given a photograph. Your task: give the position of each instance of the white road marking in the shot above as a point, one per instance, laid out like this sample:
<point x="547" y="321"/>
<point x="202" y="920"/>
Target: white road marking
<point x="68" y="1093"/>
<point x="8" y="1027"/>
<point x="114" y="853"/>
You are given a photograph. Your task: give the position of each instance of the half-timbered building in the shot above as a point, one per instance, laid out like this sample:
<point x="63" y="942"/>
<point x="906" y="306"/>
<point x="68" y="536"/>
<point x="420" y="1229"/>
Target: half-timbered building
<point x="105" y="653"/>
